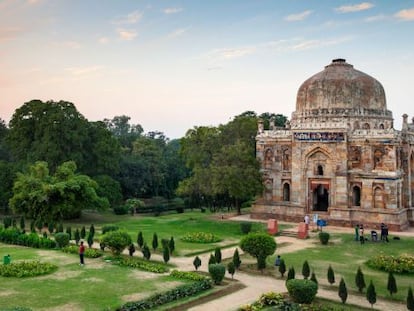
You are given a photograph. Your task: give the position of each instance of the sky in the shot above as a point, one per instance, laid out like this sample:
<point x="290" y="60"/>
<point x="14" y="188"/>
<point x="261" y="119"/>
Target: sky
<point x="171" y="65"/>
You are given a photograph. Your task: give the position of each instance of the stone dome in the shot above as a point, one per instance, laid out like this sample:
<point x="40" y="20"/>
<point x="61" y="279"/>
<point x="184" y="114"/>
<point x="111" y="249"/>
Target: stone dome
<point x="340" y="86"/>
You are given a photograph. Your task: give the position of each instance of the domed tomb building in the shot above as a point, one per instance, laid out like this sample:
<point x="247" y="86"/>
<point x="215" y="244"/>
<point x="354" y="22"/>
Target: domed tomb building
<point x="339" y="156"/>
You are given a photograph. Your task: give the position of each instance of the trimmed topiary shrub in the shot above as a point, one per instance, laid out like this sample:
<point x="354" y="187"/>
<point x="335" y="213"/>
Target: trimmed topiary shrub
<point x="324" y="237"/>
<point x="301" y="291"/>
<point x="89" y="252"/>
<point x="197" y="262"/>
<point x="245" y="227"/>
<point x="236" y="259"/>
<point x="108" y="228"/>
<point x="188" y="275"/>
<point x="200" y="237"/>
<point x="62" y="239"/>
<point x="116" y="241"/>
<point x="217" y="272"/>
<point x="258" y="245"/>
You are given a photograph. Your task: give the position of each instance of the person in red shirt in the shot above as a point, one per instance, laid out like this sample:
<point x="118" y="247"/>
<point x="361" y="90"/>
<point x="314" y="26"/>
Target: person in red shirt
<point x="81" y="253"/>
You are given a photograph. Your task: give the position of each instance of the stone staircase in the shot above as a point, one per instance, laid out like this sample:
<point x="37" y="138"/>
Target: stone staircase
<point x="288" y="232"/>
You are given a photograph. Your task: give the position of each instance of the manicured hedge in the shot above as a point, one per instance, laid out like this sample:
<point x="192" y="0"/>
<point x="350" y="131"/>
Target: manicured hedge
<point x="156" y="300"/>
<point x="200" y="237"/>
<point x="302" y="291"/>
<point x="15" y="236"/>
<point x="188" y="275"/>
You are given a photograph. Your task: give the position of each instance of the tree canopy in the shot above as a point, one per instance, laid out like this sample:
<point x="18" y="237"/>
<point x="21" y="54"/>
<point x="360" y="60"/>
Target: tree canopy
<point x="45" y="197"/>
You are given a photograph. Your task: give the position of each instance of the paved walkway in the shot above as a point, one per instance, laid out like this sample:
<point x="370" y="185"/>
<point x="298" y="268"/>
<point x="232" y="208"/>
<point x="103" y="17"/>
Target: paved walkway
<point x="257" y="285"/>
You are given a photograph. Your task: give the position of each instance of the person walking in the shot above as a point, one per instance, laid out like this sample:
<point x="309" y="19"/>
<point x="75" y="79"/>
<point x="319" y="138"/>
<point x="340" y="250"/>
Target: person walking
<point x="81" y="253"/>
<point x="361" y="234"/>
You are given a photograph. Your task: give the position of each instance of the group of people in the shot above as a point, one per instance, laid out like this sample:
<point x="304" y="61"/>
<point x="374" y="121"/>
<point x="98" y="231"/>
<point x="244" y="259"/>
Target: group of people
<point x="359" y="234"/>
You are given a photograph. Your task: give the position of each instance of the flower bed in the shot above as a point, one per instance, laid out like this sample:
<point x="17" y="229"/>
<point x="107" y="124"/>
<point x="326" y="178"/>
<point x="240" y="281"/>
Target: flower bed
<point x="403" y="264"/>
<point x="26" y="269"/>
<point x="200" y="237"/>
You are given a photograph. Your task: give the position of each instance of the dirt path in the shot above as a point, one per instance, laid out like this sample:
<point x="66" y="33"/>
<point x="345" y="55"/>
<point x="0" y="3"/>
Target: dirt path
<point x="257" y="285"/>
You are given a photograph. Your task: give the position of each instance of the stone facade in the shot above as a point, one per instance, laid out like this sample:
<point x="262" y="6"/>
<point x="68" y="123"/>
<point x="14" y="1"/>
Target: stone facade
<point x="339" y="155"/>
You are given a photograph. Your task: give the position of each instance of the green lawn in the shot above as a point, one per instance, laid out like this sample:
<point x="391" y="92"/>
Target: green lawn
<point x="345" y="256"/>
<point x="96" y="286"/>
<point x="176" y="225"/>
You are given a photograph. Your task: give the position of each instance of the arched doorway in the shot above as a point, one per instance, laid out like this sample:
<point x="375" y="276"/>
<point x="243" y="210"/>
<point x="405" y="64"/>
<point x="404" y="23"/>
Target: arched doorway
<point x="356" y="196"/>
<point x="320" y="196"/>
<point x="378" y="198"/>
<point x="286" y="192"/>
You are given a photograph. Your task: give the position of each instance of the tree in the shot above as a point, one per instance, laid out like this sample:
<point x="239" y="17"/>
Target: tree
<point x="125" y="133"/>
<point x="69" y="232"/>
<point x="83" y="232"/>
<point x="236" y="259"/>
<point x="212" y="259"/>
<point x="39" y="195"/>
<point x="90" y="240"/>
<point x="146" y="252"/>
<point x="109" y="188"/>
<point x="359" y="280"/>
<point x="331" y="275"/>
<point x="371" y="294"/>
<point x="342" y="291"/>
<point x="231" y="268"/>
<point x="77" y="236"/>
<point x="410" y="299"/>
<point x="305" y="270"/>
<point x="22" y="223"/>
<point x="217" y="272"/>
<point x="140" y="239"/>
<point x="313" y="278"/>
<point x="92" y="230"/>
<point x="131" y="249"/>
<point x="197" y="262"/>
<point x="217" y="254"/>
<point x="391" y="284"/>
<point x="166" y="254"/>
<point x="282" y="267"/>
<point x="258" y="245"/>
<point x="171" y="245"/>
<point x="117" y="241"/>
<point x="291" y="274"/>
<point x="154" y="242"/>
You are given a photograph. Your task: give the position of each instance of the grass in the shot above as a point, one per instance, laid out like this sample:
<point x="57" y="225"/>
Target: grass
<point x="345" y="256"/>
<point x="173" y="225"/>
<point x="96" y="286"/>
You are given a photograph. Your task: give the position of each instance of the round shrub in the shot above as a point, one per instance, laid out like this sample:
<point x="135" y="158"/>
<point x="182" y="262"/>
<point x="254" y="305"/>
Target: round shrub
<point x="117" y="241"/>
<point x="200" y="237"/>
<point x="62" y="239"/>
<point x="217" y="272"/>
<point x="108" y="228"/>
<point x="26" y="269"/>
<point x="302" y="291"/>
<point x="324" y="237"/>
<point x="258" y="245"/>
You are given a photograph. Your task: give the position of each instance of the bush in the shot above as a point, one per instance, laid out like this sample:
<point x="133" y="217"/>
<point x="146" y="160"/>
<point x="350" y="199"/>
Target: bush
<point x="236" y="259"/>
<point x="301" y="291"/>
<point x="200" y="237"/>
<point x="217" y="272"/>
<point x="258" y="245"/>
<point x="89" y="252"/>
<point x="359" y="280"/>
<point x="62" y="239"/>
<point x="188" y="275"/>
<point x="217" y="254"/>
<point x="245" y="227"/>
<point x="197" y="262"/>
<point x="26" y="269"/>
<point x="141" y="264"/>
<point x="117" y="241"/>
<point x="231" y="268"/>
<point x="159" y="299"/>
<point x="121" y="209"/>
<point x="324" y="237"/>
<point x="108" y="228"/>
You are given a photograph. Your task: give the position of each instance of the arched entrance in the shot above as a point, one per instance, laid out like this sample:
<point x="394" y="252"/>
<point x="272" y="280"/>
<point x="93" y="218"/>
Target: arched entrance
<point x="319" y="195"/>
<point x="356" y="196"/>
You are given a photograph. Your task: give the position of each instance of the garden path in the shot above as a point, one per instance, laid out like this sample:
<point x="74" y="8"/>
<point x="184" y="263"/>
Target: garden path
<point x="257" y="285"/>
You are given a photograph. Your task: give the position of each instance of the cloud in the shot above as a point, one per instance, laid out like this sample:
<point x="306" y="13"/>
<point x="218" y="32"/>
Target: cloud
<point x="178" y="32"/>
<point x="230" y="53"/>
<point x="103" y="40"/>
<point x="131" y="18"/>
<point x="127" y="35"/>
<point x="172" y="10"/>
<point x="300" y="44"/>
<point x="354" y="8"/>
<point x="375" y="18"/>
<point x="9" y="33"/>
<point x="71" y="44"/>
<point x="405" y="15"/>
<point x="82" y="71"/>
<point x="298" y="17"/>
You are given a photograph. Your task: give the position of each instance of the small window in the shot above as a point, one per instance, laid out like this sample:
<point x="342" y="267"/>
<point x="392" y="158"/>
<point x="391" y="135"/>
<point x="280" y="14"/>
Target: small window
<point x="320" y="170"/>
<point x="356" y="196"/>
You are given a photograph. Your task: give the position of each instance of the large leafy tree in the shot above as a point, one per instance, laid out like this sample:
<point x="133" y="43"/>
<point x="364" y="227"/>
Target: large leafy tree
<point x="55" y="132"/>
<point x="125" y="132"/>
<point x="41" y="196"/>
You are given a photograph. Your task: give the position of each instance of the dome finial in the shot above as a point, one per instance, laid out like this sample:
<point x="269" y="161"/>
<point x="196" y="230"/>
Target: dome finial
<point x="339" y="60"/>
